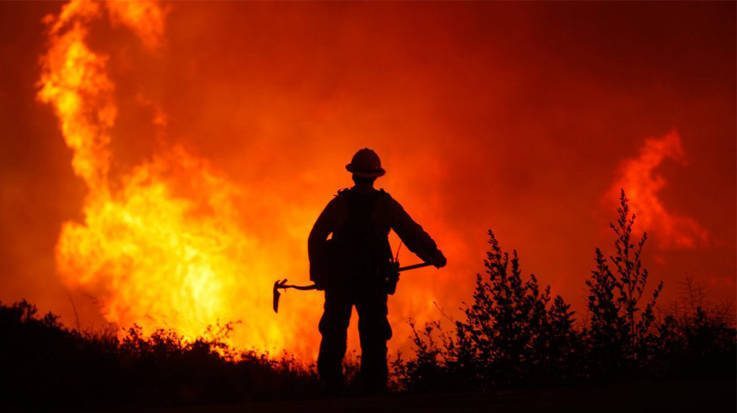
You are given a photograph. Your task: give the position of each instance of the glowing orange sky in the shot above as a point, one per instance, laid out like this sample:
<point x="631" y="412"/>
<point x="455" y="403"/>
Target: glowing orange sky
<point x="521" y="118"/>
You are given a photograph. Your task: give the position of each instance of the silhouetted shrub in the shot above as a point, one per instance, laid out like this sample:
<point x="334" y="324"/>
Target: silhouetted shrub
<point x="695" y="338"/>
<point x="429" y="368"/>
<point x="513" y="333"/>
<point x="47" y="365"/>
<point x="620" y="332"/>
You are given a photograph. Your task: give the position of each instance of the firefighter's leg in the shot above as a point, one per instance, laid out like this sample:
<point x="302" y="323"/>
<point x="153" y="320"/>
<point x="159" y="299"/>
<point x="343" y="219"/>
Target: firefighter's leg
<point x="333" y="327"/>
<point x="374" y="331"/>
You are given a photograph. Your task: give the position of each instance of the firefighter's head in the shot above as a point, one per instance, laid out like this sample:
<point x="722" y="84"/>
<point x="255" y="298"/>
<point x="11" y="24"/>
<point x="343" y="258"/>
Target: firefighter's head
<point x="365" y="166"/>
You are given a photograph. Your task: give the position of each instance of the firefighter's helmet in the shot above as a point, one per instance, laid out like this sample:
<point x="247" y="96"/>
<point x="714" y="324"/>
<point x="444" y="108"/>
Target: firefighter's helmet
<point x="365" y="163"/>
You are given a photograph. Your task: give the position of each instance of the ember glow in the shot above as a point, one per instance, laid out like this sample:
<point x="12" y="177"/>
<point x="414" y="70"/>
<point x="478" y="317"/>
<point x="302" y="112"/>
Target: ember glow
<point x="163" y="162"/>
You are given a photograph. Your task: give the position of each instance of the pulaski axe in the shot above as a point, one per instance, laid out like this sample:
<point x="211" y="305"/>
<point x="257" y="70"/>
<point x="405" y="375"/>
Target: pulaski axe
<point x="282" y="284"/>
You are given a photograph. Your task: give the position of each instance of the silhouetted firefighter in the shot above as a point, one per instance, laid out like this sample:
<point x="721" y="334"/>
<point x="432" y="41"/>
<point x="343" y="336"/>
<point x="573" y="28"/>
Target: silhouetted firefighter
<point x="350" y="258"/>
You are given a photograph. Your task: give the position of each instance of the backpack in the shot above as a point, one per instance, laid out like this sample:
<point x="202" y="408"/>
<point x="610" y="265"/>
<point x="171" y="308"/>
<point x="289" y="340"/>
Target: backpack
<point x="359" y="247"/>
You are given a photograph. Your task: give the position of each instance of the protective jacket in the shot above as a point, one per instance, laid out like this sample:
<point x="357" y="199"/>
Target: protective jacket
<point x="350" y="237"/>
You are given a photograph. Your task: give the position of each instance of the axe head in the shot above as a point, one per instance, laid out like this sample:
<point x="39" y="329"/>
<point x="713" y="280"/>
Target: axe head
<point x="277" y="294"/>
<point x="277" y="285"/>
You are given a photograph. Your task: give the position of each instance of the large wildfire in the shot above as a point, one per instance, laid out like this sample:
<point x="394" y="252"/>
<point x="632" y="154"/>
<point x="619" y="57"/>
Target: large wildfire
<point x="161" y="246"/>
<point x="191" y="234"/>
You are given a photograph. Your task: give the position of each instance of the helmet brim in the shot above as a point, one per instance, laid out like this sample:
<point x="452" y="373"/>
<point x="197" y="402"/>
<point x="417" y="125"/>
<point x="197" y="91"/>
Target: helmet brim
<point x="365" y="174"/>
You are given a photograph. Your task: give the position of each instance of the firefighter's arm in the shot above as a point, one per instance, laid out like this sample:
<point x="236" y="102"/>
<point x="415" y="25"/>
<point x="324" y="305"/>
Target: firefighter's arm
<point x="317" y="239"/>
<point x="414" y="237"/>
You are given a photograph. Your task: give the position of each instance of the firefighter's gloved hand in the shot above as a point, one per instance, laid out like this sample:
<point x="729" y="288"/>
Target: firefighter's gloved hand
<point x="316" y="278"/>
<point x="438" y="260"/>
<point x="318" y="285"/>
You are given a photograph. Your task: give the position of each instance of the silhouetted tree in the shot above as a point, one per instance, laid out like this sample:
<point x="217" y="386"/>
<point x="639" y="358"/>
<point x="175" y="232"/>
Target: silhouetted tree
<point x="565" y="347"/>
<point x="620" y="328"/>
<point x="512" y="333"/>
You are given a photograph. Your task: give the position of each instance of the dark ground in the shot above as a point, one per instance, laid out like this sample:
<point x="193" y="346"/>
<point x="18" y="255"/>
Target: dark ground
<point x="679" y="396"/>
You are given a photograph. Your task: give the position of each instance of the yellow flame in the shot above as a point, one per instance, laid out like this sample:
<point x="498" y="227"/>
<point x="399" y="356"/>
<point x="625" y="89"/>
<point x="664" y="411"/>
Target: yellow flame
<point x="162" y="247"/>
<point x="145" y="18"/>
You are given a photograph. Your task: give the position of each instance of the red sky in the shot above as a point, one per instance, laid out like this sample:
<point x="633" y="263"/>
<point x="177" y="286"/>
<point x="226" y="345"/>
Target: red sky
<point x="521" y="118"/>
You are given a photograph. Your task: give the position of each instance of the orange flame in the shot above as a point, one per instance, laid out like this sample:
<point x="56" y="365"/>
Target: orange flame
<point x="162" y="246"/>
<point x="75" y="82"/>
<point x="638" y="178"/>
<point x="144" y="18"/>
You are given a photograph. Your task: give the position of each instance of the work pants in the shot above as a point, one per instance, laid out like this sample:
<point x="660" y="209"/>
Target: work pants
<point x="374" y="331"/>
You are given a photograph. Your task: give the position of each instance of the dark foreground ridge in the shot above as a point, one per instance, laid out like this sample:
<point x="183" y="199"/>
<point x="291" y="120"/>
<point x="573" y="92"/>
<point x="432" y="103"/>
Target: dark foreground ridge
<point x="517" y="348"/>
<point x="667" y="396"/>
<point x="47" y="365"/>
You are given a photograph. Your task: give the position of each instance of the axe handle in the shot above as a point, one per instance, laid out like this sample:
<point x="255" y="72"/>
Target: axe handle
<point x="414" y="266"/>
<point x="283" y="284"/>
<point x="299" y="287"/>
<point x="314" y="287"/>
